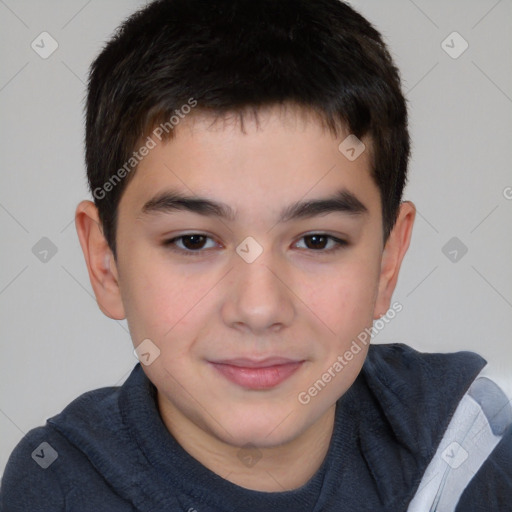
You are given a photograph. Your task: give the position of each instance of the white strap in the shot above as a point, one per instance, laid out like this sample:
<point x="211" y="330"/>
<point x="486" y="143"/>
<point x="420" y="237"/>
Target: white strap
<point x="475" y="429"/>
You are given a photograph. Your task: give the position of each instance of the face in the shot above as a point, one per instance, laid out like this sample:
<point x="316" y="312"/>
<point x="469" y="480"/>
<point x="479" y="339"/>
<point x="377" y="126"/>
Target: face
<point x="254" y="283"/>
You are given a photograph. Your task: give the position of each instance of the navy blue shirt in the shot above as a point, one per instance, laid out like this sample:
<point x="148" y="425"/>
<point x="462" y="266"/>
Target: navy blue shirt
<point x="114" y="453"/>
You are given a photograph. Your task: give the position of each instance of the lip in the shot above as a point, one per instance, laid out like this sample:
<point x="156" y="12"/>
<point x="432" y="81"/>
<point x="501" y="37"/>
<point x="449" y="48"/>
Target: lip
<point x="257" y="374"/>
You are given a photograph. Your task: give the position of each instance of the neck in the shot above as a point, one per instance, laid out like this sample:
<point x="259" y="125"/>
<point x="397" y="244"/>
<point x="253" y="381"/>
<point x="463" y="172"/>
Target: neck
<point x="281" y="468"/>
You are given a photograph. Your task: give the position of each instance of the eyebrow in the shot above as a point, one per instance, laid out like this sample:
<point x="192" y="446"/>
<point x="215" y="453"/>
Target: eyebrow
<point x="342" y="201"/>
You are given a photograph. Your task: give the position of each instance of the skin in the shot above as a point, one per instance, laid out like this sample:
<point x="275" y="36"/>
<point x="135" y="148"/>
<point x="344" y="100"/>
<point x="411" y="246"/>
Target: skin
<point x="295" y="300"/>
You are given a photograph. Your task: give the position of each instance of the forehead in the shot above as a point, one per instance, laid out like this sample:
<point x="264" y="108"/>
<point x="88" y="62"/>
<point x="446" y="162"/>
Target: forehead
<point x="276" y="158"/>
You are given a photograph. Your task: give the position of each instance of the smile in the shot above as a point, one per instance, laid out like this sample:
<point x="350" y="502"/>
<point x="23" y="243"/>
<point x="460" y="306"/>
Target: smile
<point x="257" y="375"/>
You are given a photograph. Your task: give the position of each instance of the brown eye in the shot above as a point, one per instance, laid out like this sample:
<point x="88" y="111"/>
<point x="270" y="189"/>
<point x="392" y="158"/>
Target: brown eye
<point x="319" y="241"/>
<point x="193" y="242"/>
<point x="316" y="241"/>
<point x="190" y="245"/>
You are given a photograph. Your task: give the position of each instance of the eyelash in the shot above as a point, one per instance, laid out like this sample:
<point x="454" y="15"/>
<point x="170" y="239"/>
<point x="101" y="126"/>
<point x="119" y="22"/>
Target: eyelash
<point x="340" y="244"/>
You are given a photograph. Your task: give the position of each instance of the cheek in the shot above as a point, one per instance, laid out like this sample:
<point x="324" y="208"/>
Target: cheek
<point x="154" y="298"/>
<point x="344" y="298"/>
<point x="164" y="304"/>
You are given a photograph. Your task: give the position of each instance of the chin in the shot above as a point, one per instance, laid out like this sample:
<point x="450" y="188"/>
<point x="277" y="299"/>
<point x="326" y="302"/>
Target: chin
<point x="260" y="431"/>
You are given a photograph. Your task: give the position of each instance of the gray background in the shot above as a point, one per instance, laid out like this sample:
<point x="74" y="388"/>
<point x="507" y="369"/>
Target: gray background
<point x="55" y="342"/>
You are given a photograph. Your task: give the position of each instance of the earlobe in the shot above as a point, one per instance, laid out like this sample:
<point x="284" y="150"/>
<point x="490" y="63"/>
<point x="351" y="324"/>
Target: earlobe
<point x="99" y="259"/>
<point x="392" y="257"/>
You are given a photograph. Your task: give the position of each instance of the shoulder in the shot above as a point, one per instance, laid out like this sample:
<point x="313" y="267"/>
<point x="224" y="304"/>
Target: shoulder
<point x="491" y="487"/>
<point x="472" y="467"/>
<point x="421" y="404"/>
<point x="45" y="466"/>
<point x="415" y="394"/>
<point x="31" y="481"/>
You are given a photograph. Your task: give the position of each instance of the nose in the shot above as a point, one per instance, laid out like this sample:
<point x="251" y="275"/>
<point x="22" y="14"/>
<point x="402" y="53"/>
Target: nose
<point x="258" y="299"/>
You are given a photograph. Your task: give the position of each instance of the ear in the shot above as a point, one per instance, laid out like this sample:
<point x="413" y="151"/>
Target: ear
<point x="392" y="256"/>
<point x="100" y="261"/>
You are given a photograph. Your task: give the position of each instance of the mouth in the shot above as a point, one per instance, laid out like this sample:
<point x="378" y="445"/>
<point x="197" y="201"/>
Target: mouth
<point x="257" y="375"/>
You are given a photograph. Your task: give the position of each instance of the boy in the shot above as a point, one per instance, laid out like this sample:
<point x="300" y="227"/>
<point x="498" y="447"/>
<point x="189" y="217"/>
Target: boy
<point x="247" y="160"/>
